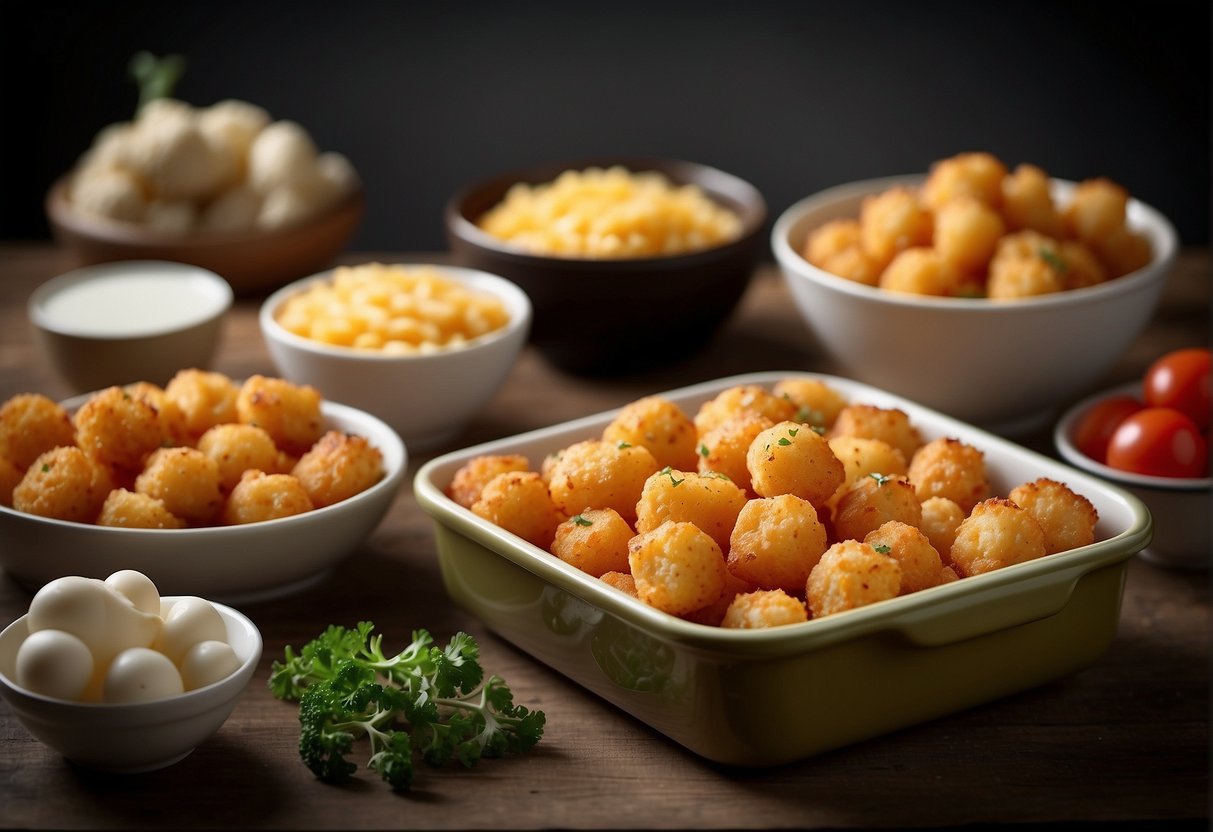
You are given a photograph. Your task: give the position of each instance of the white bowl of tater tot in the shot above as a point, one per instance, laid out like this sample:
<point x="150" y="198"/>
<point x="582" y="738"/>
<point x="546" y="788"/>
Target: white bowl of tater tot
<point x="422" y="346"/>
<point x="993" y="326"/>
<point x="262" y="503"/>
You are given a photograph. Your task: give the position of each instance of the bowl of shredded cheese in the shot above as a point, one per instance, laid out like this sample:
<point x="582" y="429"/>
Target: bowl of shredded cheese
<point x="421" y="346"/>
<point x="630" y="263"/>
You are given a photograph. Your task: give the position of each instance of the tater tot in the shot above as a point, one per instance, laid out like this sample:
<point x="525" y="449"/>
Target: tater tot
<point x="186" y="481"/>
<point x="920" y="271"/>
<point x="237" y="448"/>
<point x="337" y="467"/>
<point x="967" y="231"/>
<point x="519" y="502"/>
<point x="855" y="264"/>
<point x="861" y="457"/>
<point x="1097" y="208"/>
<point x="599" y="474"/>
<point x="471" y="477"/>
<point x="920" y="562"/>
<point x="996" y="533"/>
<point x="791" y="458"/>
<point x="977" y="175"/>
<point x="710" y="501"/>
<point x="172" y="421"/>
<point x="30" y="425"/>
<point x="893" y="221"/>
<point x="764" y="608"/>
<point x="1027" y="201"/>
<point x="947" y="467"/>
<point x="1123" y="251"/>
<point x="661" y="426"/>
<point x="290" y="413"/>
<point x="259" y="496"/>
<point x="734" y="400"/>
<point x="64" y="483"/>
<point x="941" y="518"/>
<point x="828" y="239"/>
<point x="849" y="575"/>
<point x="1082" y="267"/>
<point x="204" y="398"/>
<point x="1024" y="277"/>
<point x="132" y="510"/>
<point x="117" y="428"/>
<point x="817" y="403"/>
<point x="595" y="541"/>
<point x="622" y="581"/>
<point x="677" y="567"/>
<point x="889" y="425"/>
<point x="723" y="449"/>
<point x="873" y="501"/>
<point x="10" y="475"/>
<point x="776" y="542"/>
<point x="1067" y="519"/>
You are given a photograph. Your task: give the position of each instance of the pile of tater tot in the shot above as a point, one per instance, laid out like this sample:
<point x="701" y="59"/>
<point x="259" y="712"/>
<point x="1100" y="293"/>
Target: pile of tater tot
<point x="975" y="229"/>
<point x="201" y="451"/>
<point x="770" y="506"/>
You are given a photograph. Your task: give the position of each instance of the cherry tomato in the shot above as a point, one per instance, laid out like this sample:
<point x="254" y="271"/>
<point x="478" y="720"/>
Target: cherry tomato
<point x="1180" y="380"/>
<point x="1159" y="442"/>
<point x="1095" y="428"/>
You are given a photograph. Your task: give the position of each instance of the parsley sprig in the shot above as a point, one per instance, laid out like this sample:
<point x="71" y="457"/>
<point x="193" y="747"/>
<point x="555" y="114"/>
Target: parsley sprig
<point x="425" y="701"/>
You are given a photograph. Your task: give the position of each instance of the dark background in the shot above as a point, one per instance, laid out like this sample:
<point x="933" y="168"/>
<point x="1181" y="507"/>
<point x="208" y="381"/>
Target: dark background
<point x="795" y="97"/>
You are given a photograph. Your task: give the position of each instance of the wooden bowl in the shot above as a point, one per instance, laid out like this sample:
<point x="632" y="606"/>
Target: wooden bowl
<point x="253" y="262"/>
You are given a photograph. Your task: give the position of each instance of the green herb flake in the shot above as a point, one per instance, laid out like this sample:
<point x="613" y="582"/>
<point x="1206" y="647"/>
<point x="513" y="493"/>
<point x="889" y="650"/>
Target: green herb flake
<point x="624" y="445"/>
<point x="819" y="430"/>
<point x="793" y="431"/>
<point x="703" y="449"/>
<point x="581" y="520"/>
<point x="46" y="468"/>
<point x="669" y="472"/>
<point x="783" y="440"/>
<point x="1051" y="257"/>
<point x="881" y="479"/>
<point x="883" y="549"/>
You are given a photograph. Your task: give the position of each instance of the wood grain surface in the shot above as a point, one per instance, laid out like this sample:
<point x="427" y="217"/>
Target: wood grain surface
<point x="1123" y="743"/>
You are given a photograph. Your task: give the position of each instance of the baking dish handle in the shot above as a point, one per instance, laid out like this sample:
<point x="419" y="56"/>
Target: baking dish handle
<point x="971" y="616"/>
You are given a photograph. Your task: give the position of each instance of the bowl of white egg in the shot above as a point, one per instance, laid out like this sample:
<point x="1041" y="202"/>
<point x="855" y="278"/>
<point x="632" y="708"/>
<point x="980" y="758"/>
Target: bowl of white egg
<point x="225" y="187"/>
<point x="117" y="678"/>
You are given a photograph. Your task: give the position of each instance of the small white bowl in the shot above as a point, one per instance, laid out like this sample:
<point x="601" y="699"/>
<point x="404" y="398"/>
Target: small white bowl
<point x="1003" y="365"/>
<point x="139" y="320"/>
<point x="134" y="737"/>
<point x="426" y="398"/>
<point x="1182" y="508"/>
<point x="232" y="563"/>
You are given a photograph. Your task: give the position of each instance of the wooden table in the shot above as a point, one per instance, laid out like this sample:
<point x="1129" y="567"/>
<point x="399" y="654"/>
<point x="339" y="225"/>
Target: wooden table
<point x="1126" y="740"/>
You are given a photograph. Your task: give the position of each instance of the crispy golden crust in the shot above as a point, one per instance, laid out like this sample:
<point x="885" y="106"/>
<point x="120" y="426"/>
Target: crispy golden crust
<point x="677" y="567"/>
<point x="30" y="425"/>
<point x="337" y="467"/>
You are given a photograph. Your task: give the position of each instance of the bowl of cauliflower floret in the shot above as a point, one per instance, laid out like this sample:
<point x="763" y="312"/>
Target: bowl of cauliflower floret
<point x="991" y="293"/>
<point x="225" y="187"/>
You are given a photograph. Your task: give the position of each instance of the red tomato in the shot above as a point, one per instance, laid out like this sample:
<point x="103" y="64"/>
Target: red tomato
<point x="1095" y="428"/>
<point x="1159" y="442"/>
<point x="1180" y="380"/>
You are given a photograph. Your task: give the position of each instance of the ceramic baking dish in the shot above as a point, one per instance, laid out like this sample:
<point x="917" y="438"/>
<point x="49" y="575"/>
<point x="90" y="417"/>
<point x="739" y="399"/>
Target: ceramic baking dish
<point x="764" y="697"/>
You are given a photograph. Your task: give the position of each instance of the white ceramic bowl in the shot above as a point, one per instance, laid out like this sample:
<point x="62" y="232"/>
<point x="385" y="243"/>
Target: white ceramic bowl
<point x="427" y="398"/>
<point x="1182" y="508"/>
<point x="130" y="737"/>
<point x="231" y="563"/>
<point x="139" y="320"/>
<point x="1001" y="365"/>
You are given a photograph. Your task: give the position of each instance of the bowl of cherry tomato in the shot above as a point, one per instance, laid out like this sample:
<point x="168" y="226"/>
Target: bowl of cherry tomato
<point x="1152" y="438"/>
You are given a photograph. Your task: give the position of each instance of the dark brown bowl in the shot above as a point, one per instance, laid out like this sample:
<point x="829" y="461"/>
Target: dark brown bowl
<point x="252" y="262"/>
<point x="607" y="316"/>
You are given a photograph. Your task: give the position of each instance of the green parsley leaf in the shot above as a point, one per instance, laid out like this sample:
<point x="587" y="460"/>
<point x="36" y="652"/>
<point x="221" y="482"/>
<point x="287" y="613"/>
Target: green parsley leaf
<point x="581" y="520"/>
<point x="1051" y="257"/>
<point x="883" y="549"/>
<point x="881" y="479"/>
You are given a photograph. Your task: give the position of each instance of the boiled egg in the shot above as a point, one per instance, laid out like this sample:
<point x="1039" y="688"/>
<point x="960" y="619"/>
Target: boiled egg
<point x="54" y="663"/>
<point x="188" y="621"/>
<point x="140" y="674"/>
<point x="207" y="662"/>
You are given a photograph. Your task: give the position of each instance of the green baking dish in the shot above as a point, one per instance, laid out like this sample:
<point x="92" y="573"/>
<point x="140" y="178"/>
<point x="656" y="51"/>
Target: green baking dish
<point x="831" y="681"/>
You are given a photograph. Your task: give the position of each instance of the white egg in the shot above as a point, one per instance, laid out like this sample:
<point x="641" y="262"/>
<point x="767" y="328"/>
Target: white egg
<point x="73" y="604"/>
<point x="207" y="662"/>
<point x="189" y="621"/>
<point x="138" y="588"/>
<point x="54" y="663"/>
<point x="141" y="674"/>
